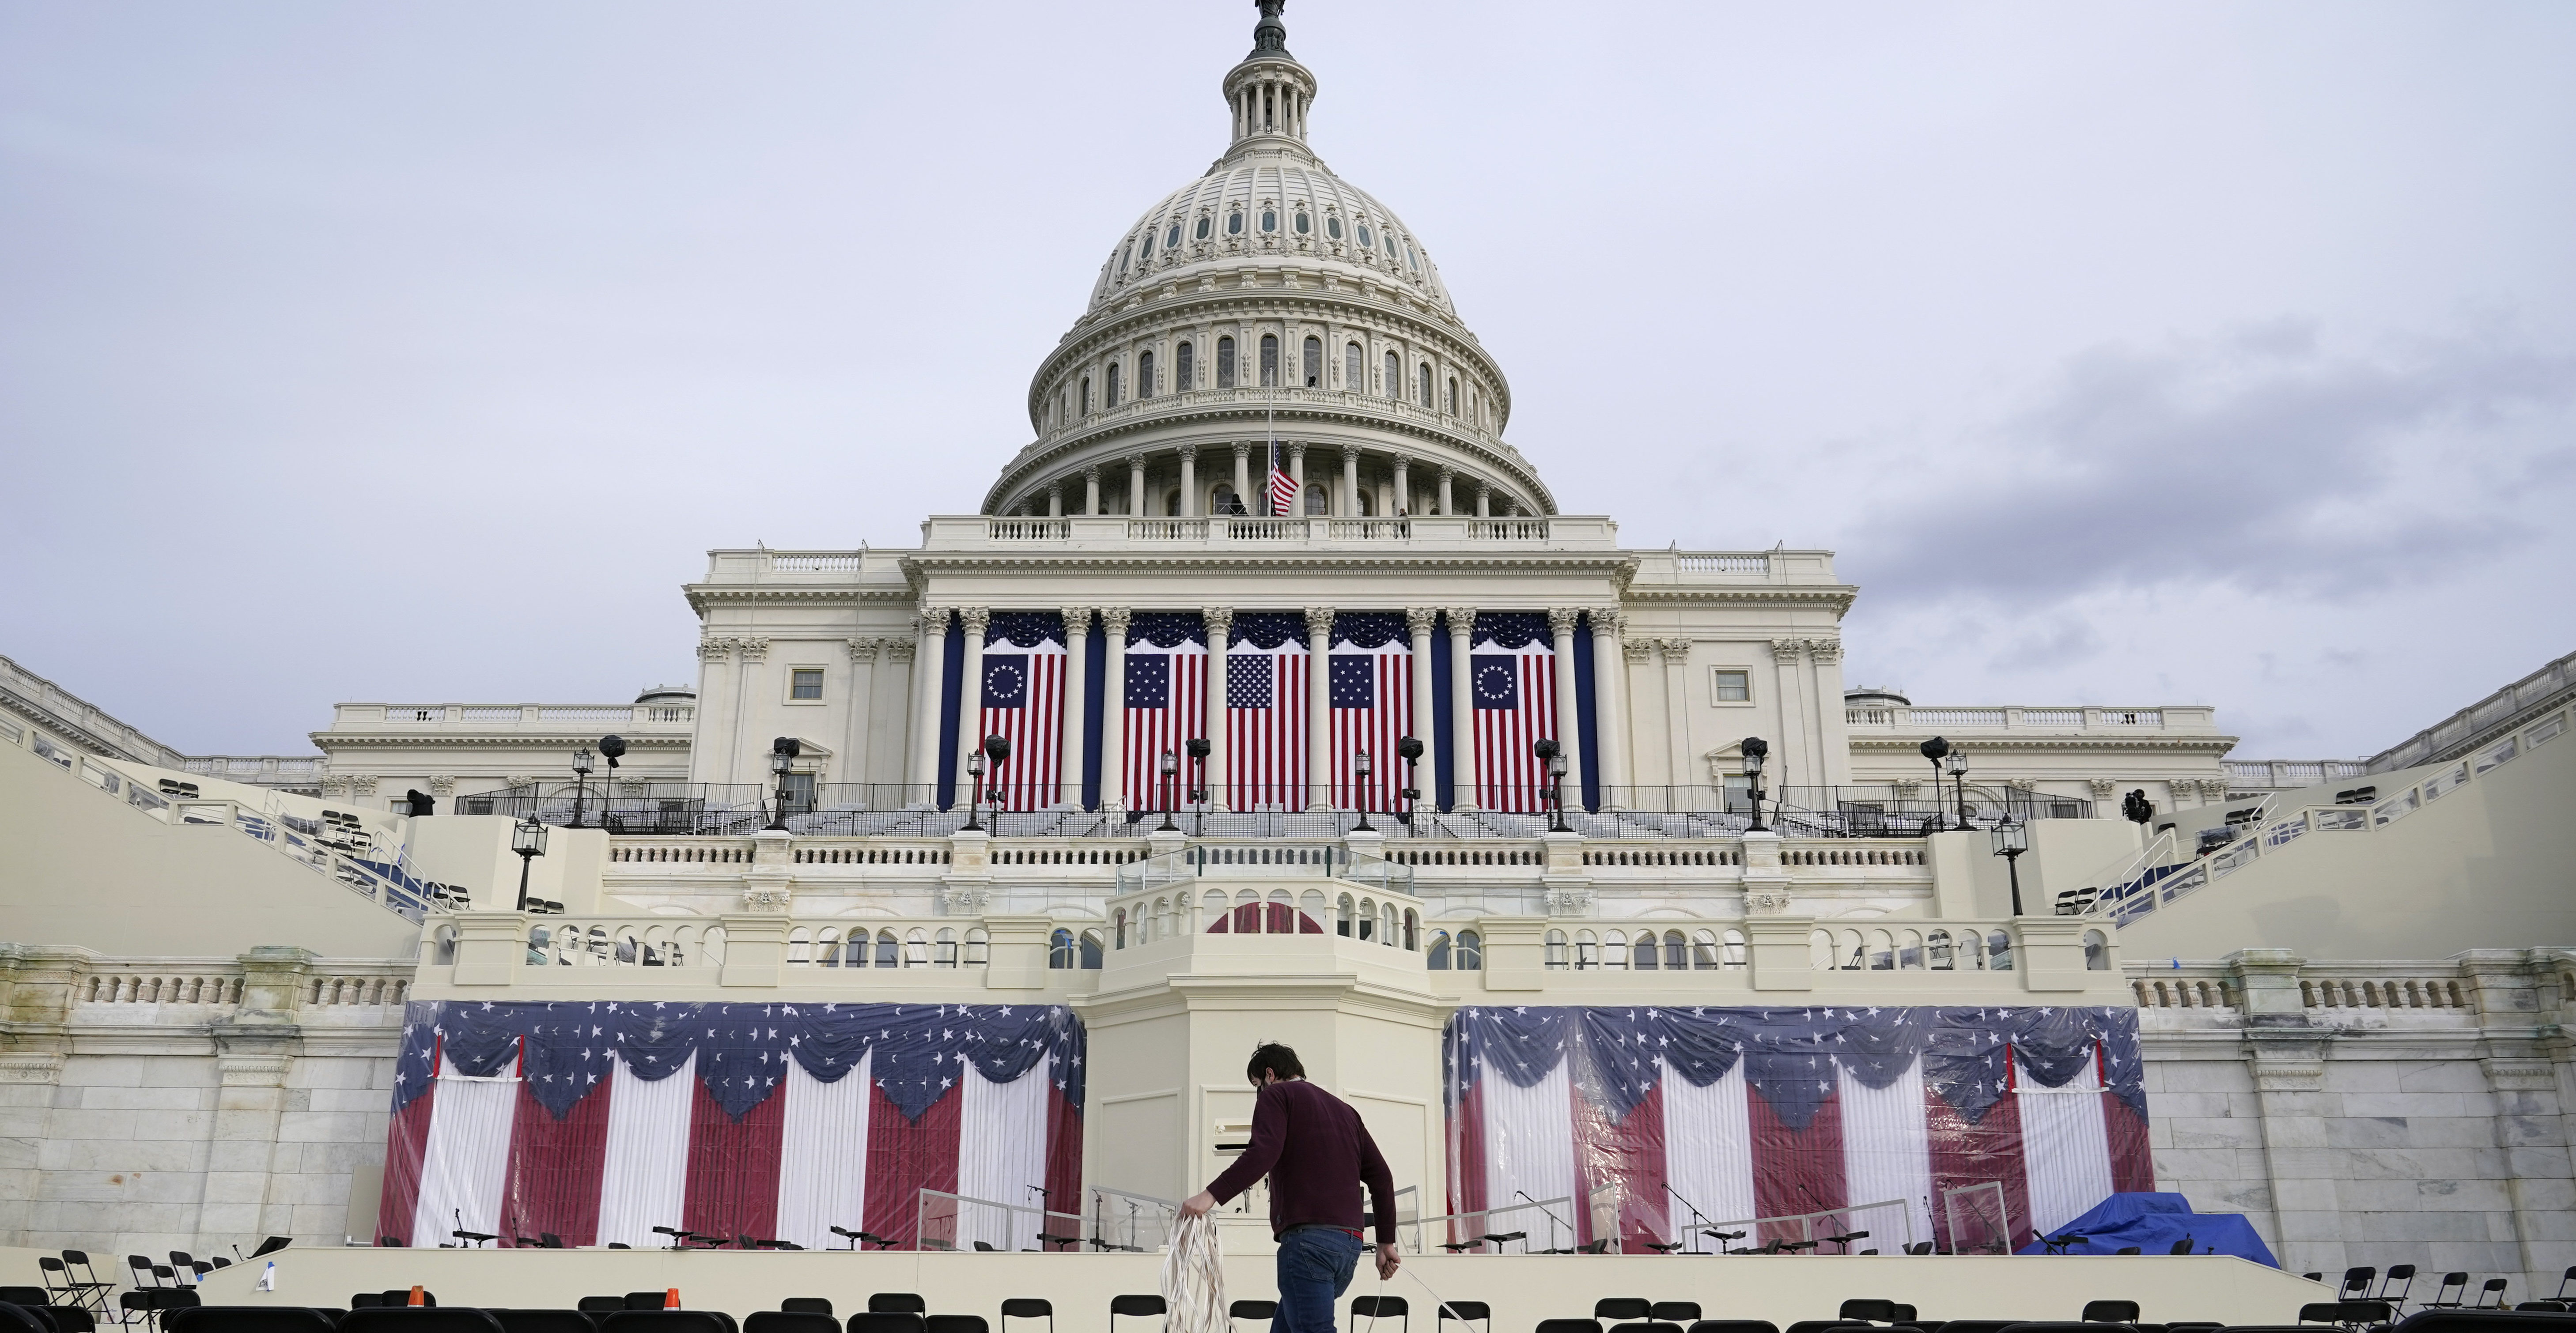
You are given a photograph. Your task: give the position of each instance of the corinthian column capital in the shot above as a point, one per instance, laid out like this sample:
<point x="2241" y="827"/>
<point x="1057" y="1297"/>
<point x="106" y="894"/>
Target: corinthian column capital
<point x="1113" y="620"/>
<point x="1220" y="626"/>
<point x="975" y="619"/>
<point x="1561" y="620"/>
<point x="1420" y="620"/>
<point x="1319" y="620"/>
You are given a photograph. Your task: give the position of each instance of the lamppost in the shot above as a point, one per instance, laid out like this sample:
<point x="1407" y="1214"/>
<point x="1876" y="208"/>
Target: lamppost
<point x="528" y="839"/>
<point x="612" y="749"/>
<point x="1171" y="770"/>
<point x="2011" y="839"/>
<point x="999" y="747"/>
<point x="580" y="781"/>
<point x="1551" y="762"/>
<point x="1755" y="750"/>
<point x="1361" y="767"/>
<point x="1409" y="749"/>
<point x="1932" y="750"/>
<point x="974" y="789"/>
<point x="782" y="757"/>
<point x="1199" y="748"/>
<point x="1957" y="763"/>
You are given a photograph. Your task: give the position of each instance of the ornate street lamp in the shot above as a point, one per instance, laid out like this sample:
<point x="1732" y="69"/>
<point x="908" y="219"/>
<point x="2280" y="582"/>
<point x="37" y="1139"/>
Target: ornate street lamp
<point x="782" y="757"/>
<point x="580" y="781"/>
<point x="1409" y="749"/>
<point x="1957" y="763"/>
<point x="999" y="747"/>
<point x="1932" y="750"/>
<point x="1755" y="750"/>
<point x="1170" y="768"/>
<point x="974" y="789"/>
<point x="1361" y="767"/>
<point x="528" y="839"/>
<point x="1199" y="748"/>
<point x="2011" y="838"/>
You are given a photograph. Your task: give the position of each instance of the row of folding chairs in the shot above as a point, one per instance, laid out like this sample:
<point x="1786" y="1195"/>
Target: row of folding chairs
<point x="2398" y="1284"/>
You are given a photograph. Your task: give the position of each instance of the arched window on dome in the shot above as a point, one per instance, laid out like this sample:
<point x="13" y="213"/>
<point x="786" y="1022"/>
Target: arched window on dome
<point x="1412" y="258"/>
<point x="1452" y="408"/>
<point x="1333" y="226"/>
<point x="1354" y="368"/>
<point x="1305" y="224"/>
<point x="1367" y="503"/>
<point x="1145" y="380"/>
<point x="1270" y="361"/>
<point x="1319" y="502"/>
<point x="1083" y="400"/>
<point x="1394" y="386"/>
<point x="1172" y="503"/>
<point x="1224" y="500"/>
<point x="1112" y="399"/>
<point x="1172" y="237"/>
<point x="1205" y="224"/>
<point x="1184" y="368"/>
<point x="1314" y="364"/>
<point x="1234" y="223"/>
<point x="1225" y="363"/>
<point x="1366" y="240"/>
<point x="1422" y="382"/>
<point x="1270" y="219"/>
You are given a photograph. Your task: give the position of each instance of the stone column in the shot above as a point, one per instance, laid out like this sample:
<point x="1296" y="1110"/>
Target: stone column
<point x="1350" y="505"/>
<point x="1825" y="691"/>
<point x="1077" y="677"/>
<point x="1447" y="476"/>
<point x="1403" y="487"/>
<point x="2529" y="1124"/>
<point x="1418" y="622"/>
<point x="1319" y="708"/>
<point x="1462" y="710"/>
<point x="1113" y="710"/>
<point x="1090" y="491"/>
<point x="1789" y="748"/>
<point x="1569" y="712"/>
<point x="1135" y="485"/>
<point x="1676" y="657"/>
<point x="2288" y="1057"/>
<point x="931" y="627"/>
<point x="863" y="684"/>
<point x="711" y="752"/>
<point x="904" y="653"/>
<point x="1297" y="474"/>
<point x="1610" y="706"/>
<point x="1484" y="500"/>
<point x="1189" y="480"/>
<point x="1219" y="621"/>
<point x="255" y="1051"/>
<point x="1055" y="501"/>
<point x="970" y="698"/>
<point x="753" y="654"/>
<point x="1243" y="475"/>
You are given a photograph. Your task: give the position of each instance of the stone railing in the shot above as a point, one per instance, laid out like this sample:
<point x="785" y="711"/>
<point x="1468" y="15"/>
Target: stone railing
<point x="2289" y="774"/>
<point x="2016" y="717"/>
<point x="2322" y="987"/>
<point x="1117" y="531"/>
<point x="75" y="720"/>
<point x="277" y="984"/>
<point x="571" y="718"/>
<point x="1903" y="961"/>
<point x="2505" y="710"/>
<point x="467" y="953"/>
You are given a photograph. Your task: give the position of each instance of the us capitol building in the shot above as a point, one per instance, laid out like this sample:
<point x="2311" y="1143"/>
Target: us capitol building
<point x="1268" y="623"/>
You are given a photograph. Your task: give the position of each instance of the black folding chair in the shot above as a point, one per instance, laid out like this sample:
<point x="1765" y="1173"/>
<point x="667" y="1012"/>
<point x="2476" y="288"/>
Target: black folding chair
<point x="897" y="1302"/>
<point x="888" y="1321"/>
<point x="2494" y="1287"/>
<point x="599" y="1304"/>
<point x="790" y="1321"/>
<point x="657" y="1321"/>
<point x="2454" y="1289"/>
<point x="1027" y="1307"/>
<point x="82" y="1289"/>
<point x="2405" y="1274"/>
<point x="1265" y="1311"/>
<point x="2356" y="1284"/>
<point x="958" y="1323"/>
<point x="1674" y="1312"/>
<point x="1868" y="1310"/>
<point x="1568" y="1326"/>
<point x="248" y="1319"/>
<point x="1622" y="1308"/>
<point x="2110" y="1312"/>
<point x="646" y="1300"/>
<point x="429" y="1319"/>
<point x="547" y="1321"/>
<point x="2559" y="1295"/>
<point x="1134" y="1307"/>
<point x="1374" y="1308"/>
<point x="1734" y="1326"/>
<point x="806" y="1305"/>
<point x="150" y="1303"/>
<point x="1469" y="1313"/>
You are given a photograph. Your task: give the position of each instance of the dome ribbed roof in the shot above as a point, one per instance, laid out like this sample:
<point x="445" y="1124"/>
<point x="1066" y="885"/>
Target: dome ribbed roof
<point x="1345" y="228"/>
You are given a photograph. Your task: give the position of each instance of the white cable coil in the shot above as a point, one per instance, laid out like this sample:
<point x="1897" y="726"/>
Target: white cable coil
<point x="1194" y="1280"/>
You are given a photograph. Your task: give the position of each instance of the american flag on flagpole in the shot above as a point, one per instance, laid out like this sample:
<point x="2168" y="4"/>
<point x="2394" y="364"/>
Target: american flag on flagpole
<point x="1511" y="677"/>
<point x="1023" y="702"/>
<point x="1372" y="698"/>
<point x="1265" y="711"/>
<point x="1283" y="487"/>
<point x="1165" y="704"/>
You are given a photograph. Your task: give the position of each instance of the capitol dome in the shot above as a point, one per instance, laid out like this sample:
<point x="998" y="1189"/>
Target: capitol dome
<point x="1269" y="310"/>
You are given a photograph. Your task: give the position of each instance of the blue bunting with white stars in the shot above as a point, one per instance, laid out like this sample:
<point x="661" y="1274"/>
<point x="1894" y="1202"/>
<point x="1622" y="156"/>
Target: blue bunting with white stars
<point x="742" y="1050"/>
<point x="1792" y="1056"/>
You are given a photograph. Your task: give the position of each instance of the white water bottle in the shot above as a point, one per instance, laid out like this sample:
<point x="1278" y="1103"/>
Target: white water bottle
<point x="268" y="1277"/>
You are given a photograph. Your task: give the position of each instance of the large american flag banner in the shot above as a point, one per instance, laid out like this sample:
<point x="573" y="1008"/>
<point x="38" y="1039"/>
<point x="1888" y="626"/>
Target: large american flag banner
<point x="1023" y="701"/>
<point x="1283" y="484"/>
<point x="1372" y="697"/>
<point x="600" y="1120"/>
<point x="1265" y="711"/>
<point x="1511" y="679"/>
<point x="1772" y="1113"/>
<point x="1166" y="704"/>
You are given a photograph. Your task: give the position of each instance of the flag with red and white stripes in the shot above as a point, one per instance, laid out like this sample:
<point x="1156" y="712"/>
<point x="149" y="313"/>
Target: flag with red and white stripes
<point x="600" y="1121"/>
<point x="1023" y="702"/>
<point x="1265" y="711"/>
<point x="1165" y="705"/>
<point x="1792" y="1124"/>
<point x="1511" y="682"/>
<point x="1283" y="485"/>
<point x="1371" y="688"/>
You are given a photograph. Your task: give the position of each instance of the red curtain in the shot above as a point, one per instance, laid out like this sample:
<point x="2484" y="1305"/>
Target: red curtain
<point x="555" y="1167"/>
<point x="905" y="1157"/>
<point x="1629" y="1153"/>
<point x="406" y="1148"/>
<point x="1971" y="1153"/>
<point x="733" y="1167"/>
<point x="1796" y="1171"/>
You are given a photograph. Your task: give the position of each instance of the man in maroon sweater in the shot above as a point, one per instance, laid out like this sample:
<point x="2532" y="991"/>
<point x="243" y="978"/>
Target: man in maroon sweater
<point x="1317" y="1154"/>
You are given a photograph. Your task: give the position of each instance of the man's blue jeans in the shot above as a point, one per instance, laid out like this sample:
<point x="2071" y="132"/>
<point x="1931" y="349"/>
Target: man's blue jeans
<point x="1314" y="1270"/>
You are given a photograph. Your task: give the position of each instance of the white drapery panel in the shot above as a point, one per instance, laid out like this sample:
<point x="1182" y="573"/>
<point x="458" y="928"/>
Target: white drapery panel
<point x="1708" y="1152"/>
<point x="1887" y="1154"/>
<point x="1001" y="1152"/>
<point x="823" y="1155"/>
<point x="1529" y="1149"/>
<point x="468" y="1161"/>
<point x="2065" y="1146"/>
<point x="644" y="1179"/>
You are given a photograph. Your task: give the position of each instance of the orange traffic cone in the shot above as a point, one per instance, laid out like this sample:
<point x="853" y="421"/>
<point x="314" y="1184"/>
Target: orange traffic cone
<point x="416" y="1296"/>
<point x="671" y="1299"/>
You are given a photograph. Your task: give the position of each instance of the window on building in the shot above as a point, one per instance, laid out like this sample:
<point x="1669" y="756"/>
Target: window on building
<point x="1354" y="368"/>
<point x="1732" y="685"/>
<point x="1270" y="219"/>
<point x="1225" y="363"/>
<point x="1184" y="368"/>
<point x="1394" y="386"/>
<point x="1318" y="500"/>
<point x="1145" y="375"/>
<point x="1333" y="226"/>
<point x="1304" y="225"/>
<point x="1084" y="398"/>
<point x="1314" y="363"/>
<point x="1234" y="224"/>
<point x="1113" y="384"/>
<point x="1225" y="501"/>
<point x="1203" y="226"/>
<point x="1060" y="950"/>
<point x="1269" y="361"/>
<point x="1422" y="382"/>
<point x="1452" y="408"/>
<point x="1172" y="237"/>
<point x="1471" y="952"/>
<point x="805" y="683"/>
<point x="1366" y="239"/>
<point x="796" y="791"/>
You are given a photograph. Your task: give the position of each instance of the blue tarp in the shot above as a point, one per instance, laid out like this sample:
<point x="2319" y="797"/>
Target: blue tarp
<point x="2153" y="1222"/>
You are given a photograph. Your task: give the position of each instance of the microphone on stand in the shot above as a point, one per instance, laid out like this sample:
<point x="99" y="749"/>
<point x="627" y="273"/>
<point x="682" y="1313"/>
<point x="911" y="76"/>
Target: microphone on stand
<point x="1553" y="1222"/>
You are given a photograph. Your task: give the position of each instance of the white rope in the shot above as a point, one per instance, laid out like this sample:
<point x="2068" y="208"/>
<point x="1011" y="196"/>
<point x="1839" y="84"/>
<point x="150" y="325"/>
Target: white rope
<point x="1194" y="1280"/>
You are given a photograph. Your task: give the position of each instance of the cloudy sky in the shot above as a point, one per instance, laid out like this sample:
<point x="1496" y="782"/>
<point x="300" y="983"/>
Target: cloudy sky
<point x="2127" y="353"/>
